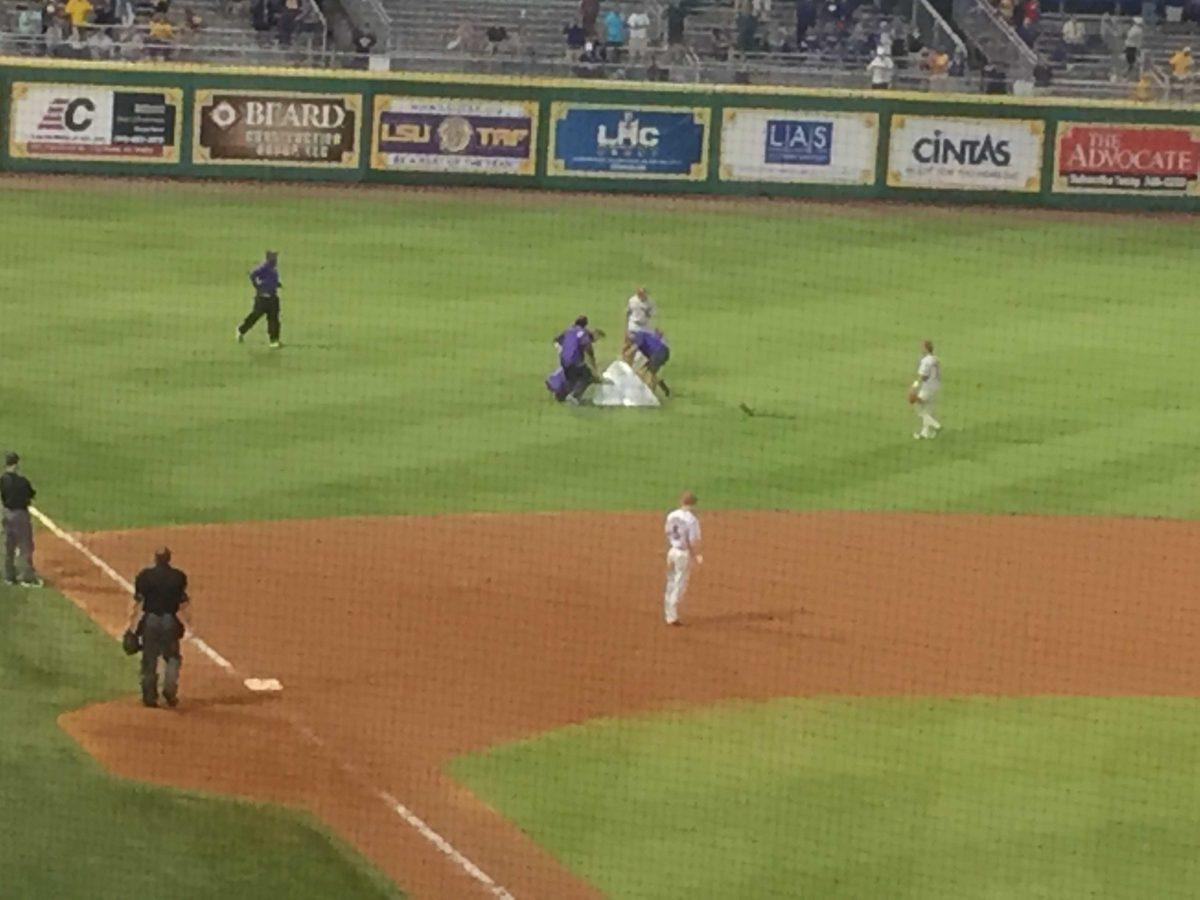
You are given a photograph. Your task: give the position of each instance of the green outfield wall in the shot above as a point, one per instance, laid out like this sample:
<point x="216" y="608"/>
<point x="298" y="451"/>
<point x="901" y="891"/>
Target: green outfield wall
<point x="201" y="122"/>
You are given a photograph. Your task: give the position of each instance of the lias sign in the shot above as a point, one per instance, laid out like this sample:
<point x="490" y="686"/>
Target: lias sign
<point x="239" y="128"/>
<point x="1096" y="158"/>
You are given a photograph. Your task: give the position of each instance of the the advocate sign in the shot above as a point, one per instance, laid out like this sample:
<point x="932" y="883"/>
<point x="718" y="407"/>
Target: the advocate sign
<point x="1098" y="158"/>
<point x="965" y="153"/>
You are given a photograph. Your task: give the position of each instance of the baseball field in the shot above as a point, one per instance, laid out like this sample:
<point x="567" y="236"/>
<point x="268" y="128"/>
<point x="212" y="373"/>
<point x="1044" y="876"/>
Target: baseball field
<point x="960" y="668"/>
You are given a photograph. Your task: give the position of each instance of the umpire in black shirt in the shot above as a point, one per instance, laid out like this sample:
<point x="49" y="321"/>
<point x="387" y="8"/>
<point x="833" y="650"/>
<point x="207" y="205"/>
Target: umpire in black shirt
<point x="16" y="493"/>
<point x="160" y="601"/>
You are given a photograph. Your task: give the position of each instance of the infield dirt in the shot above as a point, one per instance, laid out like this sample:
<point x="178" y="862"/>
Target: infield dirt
<point x="403" y="642"/>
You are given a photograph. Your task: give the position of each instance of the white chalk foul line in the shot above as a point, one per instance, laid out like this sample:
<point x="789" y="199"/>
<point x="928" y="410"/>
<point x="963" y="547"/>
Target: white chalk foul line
<point x="407" y="815"/>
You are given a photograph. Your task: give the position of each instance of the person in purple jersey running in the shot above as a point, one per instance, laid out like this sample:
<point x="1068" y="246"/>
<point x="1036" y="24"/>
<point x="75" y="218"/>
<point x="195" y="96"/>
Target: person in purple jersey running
<point x="653" y="346"/>
<point x="577" y="359"/>
<point x="265" y="279"/>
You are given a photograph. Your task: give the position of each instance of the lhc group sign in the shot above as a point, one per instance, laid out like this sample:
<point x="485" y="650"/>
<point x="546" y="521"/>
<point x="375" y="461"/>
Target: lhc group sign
<point x="965" y="153"/>
<point x="1100" y="158"/>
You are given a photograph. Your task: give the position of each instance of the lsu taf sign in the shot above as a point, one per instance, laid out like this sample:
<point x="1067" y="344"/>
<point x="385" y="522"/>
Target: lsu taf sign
<point x="276" y="129"/>
<point x="437" y="134"/>
<point x="1098" y="158"/>
<point x="599" y="141"/>
<point x="965" y="153"/>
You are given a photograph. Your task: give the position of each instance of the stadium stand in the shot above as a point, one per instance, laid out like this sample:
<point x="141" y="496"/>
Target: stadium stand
<point x="985" y="46"/>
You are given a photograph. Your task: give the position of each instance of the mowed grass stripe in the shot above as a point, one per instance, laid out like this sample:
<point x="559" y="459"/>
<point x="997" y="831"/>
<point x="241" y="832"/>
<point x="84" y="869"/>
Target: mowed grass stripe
<point x="901" y="797"/>
<point x="418" y="329"/>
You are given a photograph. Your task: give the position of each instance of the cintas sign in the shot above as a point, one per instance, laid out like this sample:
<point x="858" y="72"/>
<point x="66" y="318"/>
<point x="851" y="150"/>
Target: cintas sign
<point x="963" y="153"/>
<point x="263" y="128"/>
<point x="1102" y="158"/>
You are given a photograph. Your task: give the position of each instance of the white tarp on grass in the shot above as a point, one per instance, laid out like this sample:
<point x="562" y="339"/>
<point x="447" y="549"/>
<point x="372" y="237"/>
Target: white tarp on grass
<point x="624" y="388"/>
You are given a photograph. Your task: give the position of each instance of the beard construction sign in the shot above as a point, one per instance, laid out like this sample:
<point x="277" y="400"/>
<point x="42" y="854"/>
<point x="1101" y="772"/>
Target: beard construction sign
<point x="277" y="129"/>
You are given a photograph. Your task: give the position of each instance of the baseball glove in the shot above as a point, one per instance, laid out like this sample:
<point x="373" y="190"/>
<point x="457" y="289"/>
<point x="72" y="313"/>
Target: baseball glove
<point x="912" y="395"/>
<point x="130" y="643"/>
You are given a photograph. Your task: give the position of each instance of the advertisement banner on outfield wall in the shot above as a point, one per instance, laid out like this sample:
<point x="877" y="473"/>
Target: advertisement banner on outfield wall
<point x="612" y="141"/>
<point x="1100" y="158"/>
<point x="798" y="146"/>
<point x="965" y="153"/>
<point x="276" y="129"/>
<point x="437" y="134"/>
<point x="96" y="122"/>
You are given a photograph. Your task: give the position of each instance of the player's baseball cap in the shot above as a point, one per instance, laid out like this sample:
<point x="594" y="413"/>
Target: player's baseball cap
<point x="11" y="458"/>
<point x="582" y="321"/>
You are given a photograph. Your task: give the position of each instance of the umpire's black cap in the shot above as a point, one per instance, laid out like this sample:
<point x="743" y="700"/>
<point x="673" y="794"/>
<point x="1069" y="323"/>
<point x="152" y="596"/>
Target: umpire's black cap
<point x="11" y="458"/>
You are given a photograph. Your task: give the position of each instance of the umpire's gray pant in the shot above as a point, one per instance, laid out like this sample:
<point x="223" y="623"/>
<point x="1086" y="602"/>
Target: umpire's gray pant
<point x="160" y="637"/>
<point x="18" y="539"/>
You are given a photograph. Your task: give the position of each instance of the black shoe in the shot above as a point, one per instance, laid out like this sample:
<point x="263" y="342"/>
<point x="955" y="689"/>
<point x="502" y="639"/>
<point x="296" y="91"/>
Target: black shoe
<point x="666" y="390"/>
<point x="153" y="704"/>
<point x="172" y="700"/>
<point x="33" y="583"/>
<point x="11" y="582"/>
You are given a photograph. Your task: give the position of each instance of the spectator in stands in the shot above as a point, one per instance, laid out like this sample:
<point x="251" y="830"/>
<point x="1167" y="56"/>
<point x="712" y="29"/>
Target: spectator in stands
<point x="469" y="38"/>
<point x="79" y="11"/>
<point x="860" y="40"/>
<point x="589" y="11"/>
<point x="56" y="35"/>
<point x="100" y="45"/>
<point x="1074" y="35"/>
<point x="103" y="14"/>
<point x="262" y="17"/>
<point x="882" y="70"/>
<point x="1143" y="91"/>
<point x="934" y="62"/>
<point x="364" y="42"/>
<point x="286" y="25"/>
<point x="131" y="47"/>
<point x="746" y="25"/>
<point x="1133" y="44"/>
<point x="958" y="63"/>
<point x="720" y="45"/>
<point x="193" y="21"/>
<point x="1181" y="69"/>
<point x="614" y="31"/>
<point x="29" y="27"/>
<point x="677" y="13"/>
<point x="1031" y="13"/>
<point x="806" y="18"/>
<point x="1042" y="72"/>
<point x="497" y="37"/>
<point x="639" y="33"/>
<point x="161" y="37"/>
<point x="576" y="38"/>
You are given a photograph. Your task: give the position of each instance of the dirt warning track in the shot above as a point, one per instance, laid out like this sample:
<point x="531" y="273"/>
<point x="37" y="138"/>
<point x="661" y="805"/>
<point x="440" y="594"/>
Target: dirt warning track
<point x="403" y="642"/>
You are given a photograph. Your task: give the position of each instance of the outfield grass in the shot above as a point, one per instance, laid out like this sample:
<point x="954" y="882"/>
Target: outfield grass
<point x="864" y="798"/>
<point x="418" y="329"/>
<point x="69" y="830"/>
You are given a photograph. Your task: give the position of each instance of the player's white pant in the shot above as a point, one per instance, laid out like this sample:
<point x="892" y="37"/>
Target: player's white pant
<point x="679" y="564"/>
<point x="926" y="405"/>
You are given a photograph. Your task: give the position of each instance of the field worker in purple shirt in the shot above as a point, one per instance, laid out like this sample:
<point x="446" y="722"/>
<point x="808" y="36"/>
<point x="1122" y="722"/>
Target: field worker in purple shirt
<point x="577" y="360"/>
<point x="653" y="346"/>
<point x="266" y="300"/>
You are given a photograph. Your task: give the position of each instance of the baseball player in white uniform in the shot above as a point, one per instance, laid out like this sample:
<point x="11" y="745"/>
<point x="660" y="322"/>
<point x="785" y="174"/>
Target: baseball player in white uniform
<point x="683" y="536"/>
<point x="638" y="312"/>
<point x="925" y="391"/>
